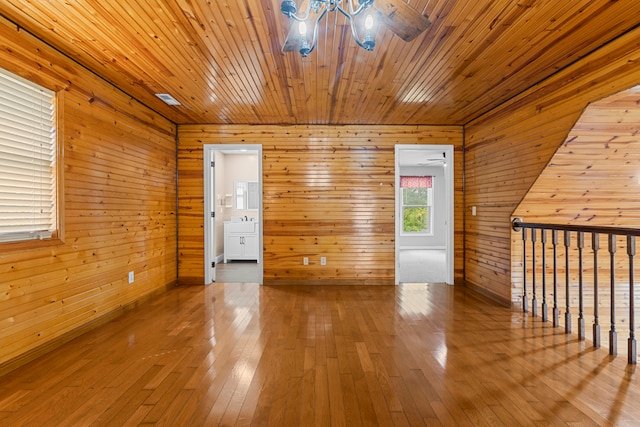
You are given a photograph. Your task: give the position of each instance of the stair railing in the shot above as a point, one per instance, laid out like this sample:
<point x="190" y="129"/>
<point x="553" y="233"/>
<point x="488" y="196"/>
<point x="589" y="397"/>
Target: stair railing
<point x="535" y="235"/>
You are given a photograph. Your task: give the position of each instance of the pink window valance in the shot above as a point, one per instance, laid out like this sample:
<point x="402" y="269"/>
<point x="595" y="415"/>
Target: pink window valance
<point x="415" y="181"/>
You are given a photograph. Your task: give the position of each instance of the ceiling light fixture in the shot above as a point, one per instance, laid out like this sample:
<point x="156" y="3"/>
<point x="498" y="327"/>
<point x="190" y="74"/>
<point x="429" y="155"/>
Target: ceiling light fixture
<point x="316" y="10"/>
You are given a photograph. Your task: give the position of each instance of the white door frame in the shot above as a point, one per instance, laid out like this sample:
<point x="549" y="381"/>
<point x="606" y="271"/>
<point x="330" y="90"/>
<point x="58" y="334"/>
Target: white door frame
<point x="210" y="256"/>
<point x="449" y="204"/>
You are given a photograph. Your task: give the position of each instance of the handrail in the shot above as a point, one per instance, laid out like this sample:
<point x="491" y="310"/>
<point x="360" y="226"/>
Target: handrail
<point x="517" y="225"/>
<point x="535" y="235"/>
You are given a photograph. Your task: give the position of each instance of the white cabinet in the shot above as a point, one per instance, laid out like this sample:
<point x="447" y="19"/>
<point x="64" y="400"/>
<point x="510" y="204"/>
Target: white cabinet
<point x="241" y="240"/>
<point x="250" y="243"/>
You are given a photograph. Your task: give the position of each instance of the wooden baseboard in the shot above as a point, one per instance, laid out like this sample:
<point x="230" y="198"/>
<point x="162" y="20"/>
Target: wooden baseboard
<point x="488" y="294"/>
<point x="34" y="353"/>
<point x="191" y="281"/>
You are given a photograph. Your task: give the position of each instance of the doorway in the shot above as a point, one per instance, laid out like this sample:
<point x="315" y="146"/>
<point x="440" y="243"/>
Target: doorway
<point x="424" y="214"/>
<point x="233" y="238"/>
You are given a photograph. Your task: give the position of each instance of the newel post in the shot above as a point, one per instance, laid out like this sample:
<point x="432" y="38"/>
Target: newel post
<point x="515" y="224"/>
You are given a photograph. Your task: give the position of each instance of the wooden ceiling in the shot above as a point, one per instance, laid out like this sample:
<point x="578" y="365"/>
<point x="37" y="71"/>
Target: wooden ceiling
<point x="222" y="59"/>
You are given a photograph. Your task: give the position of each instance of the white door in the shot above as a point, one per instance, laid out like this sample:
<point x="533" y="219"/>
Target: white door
<point x="425" y="256"/>
<point x="209" y="216"/>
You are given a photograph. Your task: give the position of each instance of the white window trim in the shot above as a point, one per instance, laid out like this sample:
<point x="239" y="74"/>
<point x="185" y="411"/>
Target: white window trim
<point x="27" y="147"/>
<point x="430" y="232"/>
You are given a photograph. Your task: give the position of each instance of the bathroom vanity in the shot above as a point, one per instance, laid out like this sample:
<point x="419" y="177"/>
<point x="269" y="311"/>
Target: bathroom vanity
<point x="241" y="240"/>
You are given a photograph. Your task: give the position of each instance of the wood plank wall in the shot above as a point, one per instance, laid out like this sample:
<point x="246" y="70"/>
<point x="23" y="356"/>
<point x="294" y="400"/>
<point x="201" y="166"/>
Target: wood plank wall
<point x="328" y="191"/>
<point x="591" y="180"/>
<point x="594" y="176"/>
<point x="508" y="148"/>
<point x="119" y="211"/>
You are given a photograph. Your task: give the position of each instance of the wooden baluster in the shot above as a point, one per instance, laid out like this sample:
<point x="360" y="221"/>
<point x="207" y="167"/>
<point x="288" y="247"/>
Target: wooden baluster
<point x="525" y="303"/>
<point x="556" y="310"/>
<point x="534" y="301"/>
<point x="613" y="335"/>
<point x="581" y="333"/>
<point x="595" y="245"/>
<point x="567" y="314"/>
<point x="632" y="355"/>
<point x="543" y="240"/>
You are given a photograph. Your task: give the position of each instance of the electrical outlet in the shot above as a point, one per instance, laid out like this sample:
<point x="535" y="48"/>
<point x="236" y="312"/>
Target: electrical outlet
<point x="323" y="260"/>
<point x="305" y="261"/>
<point x="131" y="277"/>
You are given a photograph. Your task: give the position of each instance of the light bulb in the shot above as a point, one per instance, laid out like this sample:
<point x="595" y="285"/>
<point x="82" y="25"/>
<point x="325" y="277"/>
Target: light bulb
<point x="302" y="28"/>
<point x="368" y="22"/>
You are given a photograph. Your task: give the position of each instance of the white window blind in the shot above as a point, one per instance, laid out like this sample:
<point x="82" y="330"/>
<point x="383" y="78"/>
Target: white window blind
<point x="27" y="160"/>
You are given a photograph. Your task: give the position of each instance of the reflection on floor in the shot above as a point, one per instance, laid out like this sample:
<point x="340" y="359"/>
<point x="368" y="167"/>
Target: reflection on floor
<point x="422" y="266"/>
<point x="238" y="271"/>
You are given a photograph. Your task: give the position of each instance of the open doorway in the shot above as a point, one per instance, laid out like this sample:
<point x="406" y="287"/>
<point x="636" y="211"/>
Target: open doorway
<point x="233" y="213"/>
<point x="424" y="213"/>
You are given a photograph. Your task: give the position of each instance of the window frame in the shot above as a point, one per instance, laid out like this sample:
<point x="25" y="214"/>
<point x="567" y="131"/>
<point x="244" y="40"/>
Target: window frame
<point x="429" y="206"/>
<point x="57" y="235"/>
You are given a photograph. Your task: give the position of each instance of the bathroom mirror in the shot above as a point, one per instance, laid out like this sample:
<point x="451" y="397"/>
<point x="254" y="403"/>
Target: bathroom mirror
<point x="246" y="195"/>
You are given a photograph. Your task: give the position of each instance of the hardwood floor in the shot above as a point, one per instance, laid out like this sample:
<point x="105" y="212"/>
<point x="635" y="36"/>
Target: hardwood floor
<point x="239" y="354"/>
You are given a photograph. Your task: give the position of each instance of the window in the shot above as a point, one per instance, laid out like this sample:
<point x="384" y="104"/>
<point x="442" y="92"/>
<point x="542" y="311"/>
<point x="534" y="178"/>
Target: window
<point x="417" y="203"/>
<point x="28" y="208"/>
